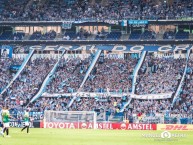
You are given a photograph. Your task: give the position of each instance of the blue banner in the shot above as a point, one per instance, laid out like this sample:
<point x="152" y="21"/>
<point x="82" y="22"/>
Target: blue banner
<point x="15" y="67"/>
<point x="128" y="48"/>
<point x="138" y="22"/>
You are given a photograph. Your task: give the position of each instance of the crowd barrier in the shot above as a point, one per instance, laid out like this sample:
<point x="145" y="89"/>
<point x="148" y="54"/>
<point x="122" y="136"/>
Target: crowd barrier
<point x="106" y="126"/>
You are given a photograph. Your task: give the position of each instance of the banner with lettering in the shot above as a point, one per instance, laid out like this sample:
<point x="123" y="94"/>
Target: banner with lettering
<point x="126" y="48"/>
<point x="99" y="125"/>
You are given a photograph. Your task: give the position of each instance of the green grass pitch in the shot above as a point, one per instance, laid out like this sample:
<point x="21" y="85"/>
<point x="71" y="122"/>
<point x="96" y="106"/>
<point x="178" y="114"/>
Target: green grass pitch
<point x="88" y="137"/>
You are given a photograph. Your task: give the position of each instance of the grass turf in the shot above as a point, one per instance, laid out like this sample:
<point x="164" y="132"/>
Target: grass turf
<point x="88" y="137"/>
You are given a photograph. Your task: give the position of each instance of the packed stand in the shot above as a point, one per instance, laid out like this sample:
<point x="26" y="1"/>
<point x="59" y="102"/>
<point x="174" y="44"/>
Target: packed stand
<point x="148" y="111"/>
<point x="103" y="104"/>
<point x="185" y="101"/>
<point x="85" y="10"/>
<point x="112" y="74"/>
<point x="5" y="70"/>
<point x="111" y="105"/>
<point x="28" y="82"/>
<point x="13" y="10"/>
<point x="148" y="107"/>
<point x="160" y="111"/>
<point x="69" y="75"/>
<point x="159" y="75"/>
<point x="54" y="104"/>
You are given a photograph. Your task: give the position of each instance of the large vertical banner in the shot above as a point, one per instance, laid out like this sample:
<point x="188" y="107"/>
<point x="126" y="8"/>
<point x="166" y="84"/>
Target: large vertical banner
<point x="6" y="51"/>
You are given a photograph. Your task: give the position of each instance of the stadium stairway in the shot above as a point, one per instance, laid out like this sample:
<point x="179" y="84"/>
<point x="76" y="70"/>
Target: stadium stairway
<point x="177" y="92"/>
<point x="20" y="70"/>
<point x="97" y="54"/>
<point x="47" y="80"/>
<point x="135" y="72"/>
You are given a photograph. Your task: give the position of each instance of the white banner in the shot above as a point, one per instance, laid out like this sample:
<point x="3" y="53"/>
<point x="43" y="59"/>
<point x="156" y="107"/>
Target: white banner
<point x="134" y="96"/>
<point x="152" y="96"/>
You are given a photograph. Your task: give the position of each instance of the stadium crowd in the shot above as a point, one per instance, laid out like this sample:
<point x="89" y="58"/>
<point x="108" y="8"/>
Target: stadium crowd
<point x="111" y="75"/>
<point x="159" y="75"/>
<point x="149" y="107"/>
<point x="56" y="104"/>
<point x="185" y="101"/>
<point x="152" y="111"/>
<point x="108" y="104"/>
<point x="98" y="104"/>
<point x="69" y="75"/>
<point x="26" y="10"/>
<point x="28" y="82"/>
<point x="5" y="70"/>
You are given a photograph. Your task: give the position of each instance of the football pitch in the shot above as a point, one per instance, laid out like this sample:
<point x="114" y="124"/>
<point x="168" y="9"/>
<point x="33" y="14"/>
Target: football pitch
<point x="91" y="137"/>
